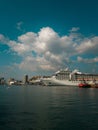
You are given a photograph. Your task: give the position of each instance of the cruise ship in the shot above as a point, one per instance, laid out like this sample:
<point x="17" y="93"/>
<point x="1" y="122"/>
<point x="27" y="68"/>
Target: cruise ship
<point x="65" y="77"/>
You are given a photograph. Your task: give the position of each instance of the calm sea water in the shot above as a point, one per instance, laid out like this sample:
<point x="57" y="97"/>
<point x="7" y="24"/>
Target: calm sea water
<point x="48" y="108"/>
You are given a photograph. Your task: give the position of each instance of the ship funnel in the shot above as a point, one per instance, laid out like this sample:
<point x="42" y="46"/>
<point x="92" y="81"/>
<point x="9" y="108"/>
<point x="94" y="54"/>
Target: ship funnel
<point x="77" y="71"/>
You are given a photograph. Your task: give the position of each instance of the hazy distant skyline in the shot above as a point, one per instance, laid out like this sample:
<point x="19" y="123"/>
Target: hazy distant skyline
<point x="38" y="37"/>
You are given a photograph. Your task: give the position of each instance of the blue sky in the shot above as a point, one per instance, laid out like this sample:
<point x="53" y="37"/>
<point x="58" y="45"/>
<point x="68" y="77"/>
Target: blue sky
<point x="38" y="37"/>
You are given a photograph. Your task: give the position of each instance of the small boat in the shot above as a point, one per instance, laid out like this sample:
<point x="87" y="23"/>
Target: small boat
<point x="84" y="85"/>
<point x="94" y="85"/>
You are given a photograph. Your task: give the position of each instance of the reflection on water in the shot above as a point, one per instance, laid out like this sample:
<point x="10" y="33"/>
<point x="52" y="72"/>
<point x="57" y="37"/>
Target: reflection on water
<point x="48" y="108"/>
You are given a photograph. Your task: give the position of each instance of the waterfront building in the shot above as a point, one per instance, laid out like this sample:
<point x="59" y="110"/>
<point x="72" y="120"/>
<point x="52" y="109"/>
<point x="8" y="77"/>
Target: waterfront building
<point x="2" y="81"/>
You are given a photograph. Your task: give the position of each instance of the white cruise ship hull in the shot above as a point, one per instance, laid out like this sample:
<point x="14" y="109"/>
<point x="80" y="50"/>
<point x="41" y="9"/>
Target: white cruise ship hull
<point x="56" y="82"/>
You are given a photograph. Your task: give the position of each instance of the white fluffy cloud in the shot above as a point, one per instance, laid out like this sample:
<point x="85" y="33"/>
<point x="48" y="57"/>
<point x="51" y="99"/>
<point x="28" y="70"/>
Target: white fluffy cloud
<point x="88" y="45"/>
<point x="47" y="50"/>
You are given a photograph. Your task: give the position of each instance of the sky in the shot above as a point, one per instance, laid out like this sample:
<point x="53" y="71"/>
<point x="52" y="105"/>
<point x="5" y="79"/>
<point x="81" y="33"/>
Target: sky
<point x="38" y="37"/>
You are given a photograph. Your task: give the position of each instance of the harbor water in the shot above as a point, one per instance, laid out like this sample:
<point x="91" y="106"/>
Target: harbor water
<point x="48" y="108"/>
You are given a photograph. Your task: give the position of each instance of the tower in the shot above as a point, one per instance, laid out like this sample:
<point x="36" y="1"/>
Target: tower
<point x="26" y="79"/>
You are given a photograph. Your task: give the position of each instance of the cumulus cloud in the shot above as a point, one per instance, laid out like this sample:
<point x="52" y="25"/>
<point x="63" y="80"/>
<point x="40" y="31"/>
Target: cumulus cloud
<point x="47" y="50"/>
<point x="88" y="45"/>
<point x="3" y="39"/>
